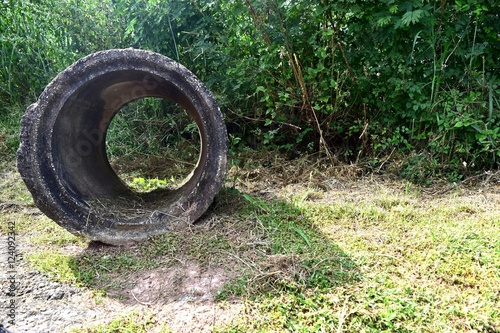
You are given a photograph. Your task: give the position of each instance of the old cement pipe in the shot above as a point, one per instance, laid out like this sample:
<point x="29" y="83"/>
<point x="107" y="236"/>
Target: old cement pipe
<point x="62" y="156"/>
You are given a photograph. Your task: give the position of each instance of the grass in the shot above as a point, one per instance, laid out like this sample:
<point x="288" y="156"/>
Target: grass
<point x="354" y="255"/>
<point x="424" y="264"/>
<point x="9" y="132"/>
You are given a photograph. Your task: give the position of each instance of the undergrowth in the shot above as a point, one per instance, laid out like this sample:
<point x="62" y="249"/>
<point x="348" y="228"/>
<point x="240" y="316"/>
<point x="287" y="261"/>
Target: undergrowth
<point x="357" y="82"/>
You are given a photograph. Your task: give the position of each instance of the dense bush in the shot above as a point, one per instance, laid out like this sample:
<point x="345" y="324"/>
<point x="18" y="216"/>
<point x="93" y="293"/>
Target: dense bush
<point x="357" y="81"/>
<point x="40" y="38"/>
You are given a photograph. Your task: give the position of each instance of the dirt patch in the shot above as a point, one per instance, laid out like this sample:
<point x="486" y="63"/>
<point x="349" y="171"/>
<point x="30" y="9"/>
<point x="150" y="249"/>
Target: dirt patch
<point x="185" y="282"/>
<point x="180" y="297"/>
<point x="187" y="317"/>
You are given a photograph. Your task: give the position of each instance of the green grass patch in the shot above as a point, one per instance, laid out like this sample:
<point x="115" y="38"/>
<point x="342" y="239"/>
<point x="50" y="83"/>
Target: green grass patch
<point x="403" y="262"/>
<point x="297" y="255"/>
<point x="59" y="266"/>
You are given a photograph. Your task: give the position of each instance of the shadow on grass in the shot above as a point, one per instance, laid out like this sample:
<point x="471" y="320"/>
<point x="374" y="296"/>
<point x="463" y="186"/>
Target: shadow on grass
<point x="243" y="247"/>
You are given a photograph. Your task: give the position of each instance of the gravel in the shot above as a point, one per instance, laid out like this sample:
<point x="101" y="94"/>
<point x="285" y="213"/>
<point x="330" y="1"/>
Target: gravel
<point x="41" y="305"/>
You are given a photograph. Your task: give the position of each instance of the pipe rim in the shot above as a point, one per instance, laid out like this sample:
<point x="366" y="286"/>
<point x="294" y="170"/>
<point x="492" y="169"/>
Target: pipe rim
<point x="51" y="129"/>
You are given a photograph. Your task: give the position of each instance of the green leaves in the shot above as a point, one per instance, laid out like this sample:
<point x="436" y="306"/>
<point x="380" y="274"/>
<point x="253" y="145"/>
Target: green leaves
<point x="40" y="38"/>
<point x="412" y="17"/>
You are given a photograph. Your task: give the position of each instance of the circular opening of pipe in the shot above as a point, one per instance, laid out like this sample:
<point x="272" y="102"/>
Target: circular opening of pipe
<point x="128" y="98"/>
<point x="152" y="144"/>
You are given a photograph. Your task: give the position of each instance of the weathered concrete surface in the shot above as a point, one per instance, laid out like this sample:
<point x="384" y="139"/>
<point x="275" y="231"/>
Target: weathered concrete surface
<point x="62" y="157"/>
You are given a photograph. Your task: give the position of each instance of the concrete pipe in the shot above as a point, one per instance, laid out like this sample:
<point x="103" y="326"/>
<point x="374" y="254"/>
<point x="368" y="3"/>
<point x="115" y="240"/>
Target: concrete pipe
<point x="62" y="156"/>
